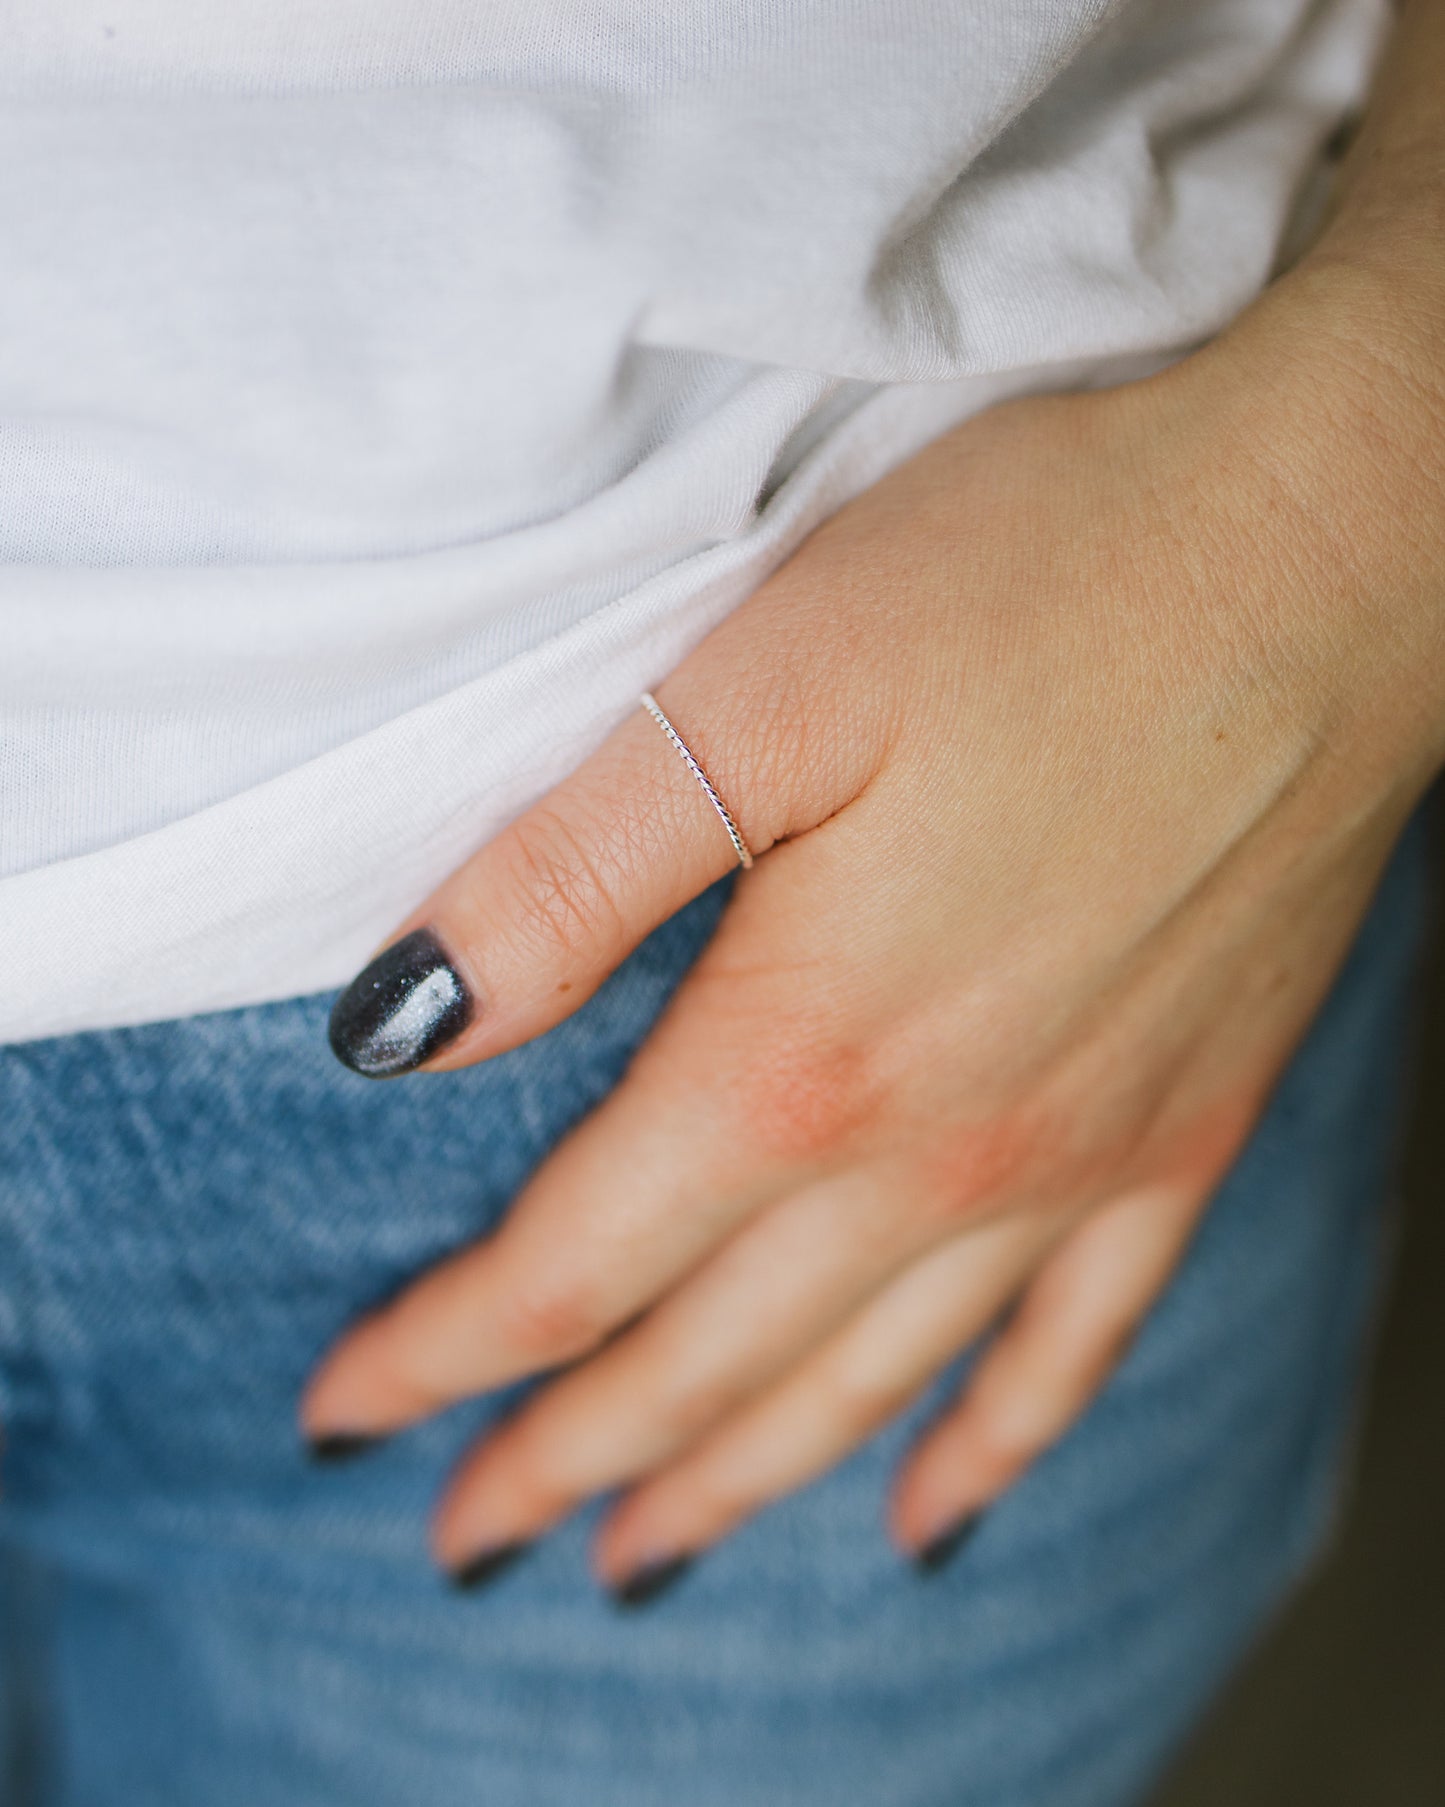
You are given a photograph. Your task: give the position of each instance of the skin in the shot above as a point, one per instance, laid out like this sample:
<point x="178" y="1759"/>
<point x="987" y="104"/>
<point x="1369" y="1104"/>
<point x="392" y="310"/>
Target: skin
<point x="1072" y="754"/>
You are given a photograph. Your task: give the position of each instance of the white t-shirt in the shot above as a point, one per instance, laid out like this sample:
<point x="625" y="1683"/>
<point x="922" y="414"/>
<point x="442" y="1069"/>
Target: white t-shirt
<point x="390" y="393"/>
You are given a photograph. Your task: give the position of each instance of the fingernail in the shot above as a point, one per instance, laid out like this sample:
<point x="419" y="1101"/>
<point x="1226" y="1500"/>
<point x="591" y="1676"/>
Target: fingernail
<point x="645" y="1584"/>
<point x="401" y="1009"/>
<point x="938" y="1554"/>
<point x="341" y="1447"/>
<point x="487" y="1565"/>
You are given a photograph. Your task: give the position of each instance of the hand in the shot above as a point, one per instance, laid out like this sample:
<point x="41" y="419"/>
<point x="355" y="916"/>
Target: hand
<point x="1071" y="754"/>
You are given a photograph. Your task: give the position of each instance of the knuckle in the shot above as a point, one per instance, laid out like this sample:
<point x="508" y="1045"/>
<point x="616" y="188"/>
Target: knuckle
<point x="860" y="1402"/>
<point x="550" y="1321"/>
<point x="565" y="885"/>
<point x="722" y="1494"/>
<point x="810" y="1095"/>
<point x="974" y="1166"/>
<point x="689" y="1403"/>
<point x="543" y="1470"/>
<point x="418" y="1350"/>
<point x="1007" y="1435"/>
<point x="416" y="1370"/>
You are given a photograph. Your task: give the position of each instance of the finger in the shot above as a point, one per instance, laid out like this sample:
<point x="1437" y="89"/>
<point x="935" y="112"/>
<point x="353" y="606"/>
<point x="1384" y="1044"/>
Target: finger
<point x="527" y="929"/>
<point x="625" y="1206"/>
<point x="745" y="1091"/>
<point x="784" y="1283"/>
<point x="845" y="1391"/>
<point x="1075" y="1320"/>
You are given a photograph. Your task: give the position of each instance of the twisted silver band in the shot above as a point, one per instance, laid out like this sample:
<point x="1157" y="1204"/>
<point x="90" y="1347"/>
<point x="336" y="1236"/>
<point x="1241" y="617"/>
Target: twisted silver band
<point x="740" y="846"/>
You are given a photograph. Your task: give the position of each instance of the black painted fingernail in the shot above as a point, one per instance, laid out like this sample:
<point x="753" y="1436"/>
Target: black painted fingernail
<point x="487" y="1566"/>
<point x="401" y="1009"/>
<point x="341" y="1447"/>
<point x="938" y="1554"/>
<point x="653" y="1578"/>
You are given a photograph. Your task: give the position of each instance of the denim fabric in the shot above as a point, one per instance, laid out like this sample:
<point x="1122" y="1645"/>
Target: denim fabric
<point x="197" y="1617"/>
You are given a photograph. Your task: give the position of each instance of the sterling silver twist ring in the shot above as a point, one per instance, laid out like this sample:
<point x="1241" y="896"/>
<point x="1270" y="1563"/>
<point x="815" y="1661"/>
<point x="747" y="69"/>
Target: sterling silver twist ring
<point x="740" y="846"/>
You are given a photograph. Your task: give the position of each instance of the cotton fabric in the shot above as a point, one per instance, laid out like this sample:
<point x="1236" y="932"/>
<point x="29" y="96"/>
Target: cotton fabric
<point x="388" y="395"/>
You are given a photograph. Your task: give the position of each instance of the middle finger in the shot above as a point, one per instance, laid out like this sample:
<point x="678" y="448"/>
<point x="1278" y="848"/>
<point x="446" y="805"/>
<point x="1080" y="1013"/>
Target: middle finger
<point x="781" y="1285"/>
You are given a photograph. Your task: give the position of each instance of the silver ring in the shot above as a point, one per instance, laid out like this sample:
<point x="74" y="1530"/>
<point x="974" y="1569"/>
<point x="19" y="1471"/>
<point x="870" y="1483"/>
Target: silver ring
<point x="740" y="846"/>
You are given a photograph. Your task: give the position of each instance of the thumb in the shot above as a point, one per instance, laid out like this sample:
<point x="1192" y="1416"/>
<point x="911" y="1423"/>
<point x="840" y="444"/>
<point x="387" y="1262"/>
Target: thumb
<point x="524" y="932"/>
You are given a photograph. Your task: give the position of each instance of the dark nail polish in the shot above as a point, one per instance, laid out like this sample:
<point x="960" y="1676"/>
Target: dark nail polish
<point x="652" y="1579"/>
<point x="487" y="1566"/>
<point x="401" y="1009"/>
<point x="340" y="1448"/>
<point x="938" y="1554"/>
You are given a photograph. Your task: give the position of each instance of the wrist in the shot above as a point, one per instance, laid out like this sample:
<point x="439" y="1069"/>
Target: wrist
<point x="1381" y="249"/>
<point x="1319" y="419"/>
<point x="1364" y="315"/>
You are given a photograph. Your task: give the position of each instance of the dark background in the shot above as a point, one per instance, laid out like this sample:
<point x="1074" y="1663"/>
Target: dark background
<point x="1343" y="1704"/>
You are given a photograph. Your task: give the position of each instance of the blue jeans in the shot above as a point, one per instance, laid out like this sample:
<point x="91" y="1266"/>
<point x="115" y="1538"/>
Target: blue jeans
<point x="194" y="1616"/>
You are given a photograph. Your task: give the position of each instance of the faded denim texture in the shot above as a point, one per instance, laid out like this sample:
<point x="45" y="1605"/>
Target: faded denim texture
<point x="195" y="1616"/>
